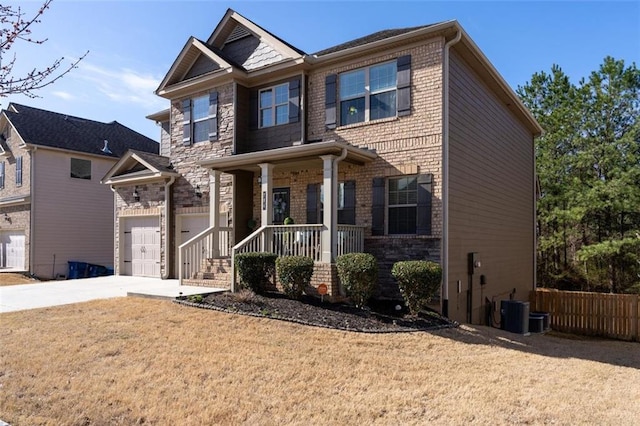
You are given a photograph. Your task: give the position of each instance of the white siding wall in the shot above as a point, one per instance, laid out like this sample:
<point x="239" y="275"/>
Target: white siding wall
<point x="73" y="218"/>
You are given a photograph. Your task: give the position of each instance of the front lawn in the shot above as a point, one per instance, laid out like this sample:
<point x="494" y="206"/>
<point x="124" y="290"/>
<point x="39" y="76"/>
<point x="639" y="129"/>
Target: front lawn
<point x="140" y="361"/>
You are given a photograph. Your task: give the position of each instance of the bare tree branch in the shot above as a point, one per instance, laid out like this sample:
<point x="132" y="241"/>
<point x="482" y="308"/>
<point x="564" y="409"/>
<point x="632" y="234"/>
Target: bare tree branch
<point x="14" y="28"/>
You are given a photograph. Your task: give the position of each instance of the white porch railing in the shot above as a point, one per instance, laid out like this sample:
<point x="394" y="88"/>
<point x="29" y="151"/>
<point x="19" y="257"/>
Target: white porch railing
<point x="284" y="240"/>
<point x="350" y="239"/>
<point x="297" y="240"/>
<point x="191" y="253"/>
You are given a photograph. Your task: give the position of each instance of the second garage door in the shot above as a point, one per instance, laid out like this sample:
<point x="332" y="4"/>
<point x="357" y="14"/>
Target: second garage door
<point x="142" y="247"/>
<point x="12" y="250"/>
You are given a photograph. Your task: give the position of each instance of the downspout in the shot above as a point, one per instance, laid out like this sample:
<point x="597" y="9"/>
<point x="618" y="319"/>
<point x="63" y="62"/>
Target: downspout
<point x="115" y="217"/>
<point x="334" y="211"/>
<point x="167" y="221"/>
<point x="303" y="115"/>
<point x="445" y="173"/>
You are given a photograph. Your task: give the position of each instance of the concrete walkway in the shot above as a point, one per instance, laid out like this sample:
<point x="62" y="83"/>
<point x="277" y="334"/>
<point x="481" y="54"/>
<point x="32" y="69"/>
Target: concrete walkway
<point x="54" y="293"/>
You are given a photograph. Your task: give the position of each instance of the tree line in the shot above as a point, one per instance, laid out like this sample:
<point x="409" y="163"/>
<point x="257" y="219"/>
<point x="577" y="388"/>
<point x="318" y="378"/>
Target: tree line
<point x="588" y="169"/>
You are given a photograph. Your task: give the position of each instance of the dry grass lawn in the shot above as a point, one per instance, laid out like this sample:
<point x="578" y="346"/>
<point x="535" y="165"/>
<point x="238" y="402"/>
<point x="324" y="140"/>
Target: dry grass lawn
<point x="139" y="361"/>
<point x="12" y="278"/>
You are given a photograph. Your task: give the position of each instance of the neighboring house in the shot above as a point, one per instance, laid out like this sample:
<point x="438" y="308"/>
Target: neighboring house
<point x="53" y="208"/>
<point x="406" y="144"/>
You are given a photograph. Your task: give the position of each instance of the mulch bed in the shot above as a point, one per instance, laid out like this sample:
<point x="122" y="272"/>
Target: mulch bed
<point x="382" y="317"/>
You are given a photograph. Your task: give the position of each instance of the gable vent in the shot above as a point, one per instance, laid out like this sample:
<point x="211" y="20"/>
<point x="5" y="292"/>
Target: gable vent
<point x="238" y="32"/>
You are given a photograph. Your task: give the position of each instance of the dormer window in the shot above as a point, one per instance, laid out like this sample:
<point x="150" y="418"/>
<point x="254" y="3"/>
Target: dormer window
<point x="274" y="105"/>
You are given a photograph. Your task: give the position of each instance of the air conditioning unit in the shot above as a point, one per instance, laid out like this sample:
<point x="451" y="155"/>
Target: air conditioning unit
<point x="514" y="316"/>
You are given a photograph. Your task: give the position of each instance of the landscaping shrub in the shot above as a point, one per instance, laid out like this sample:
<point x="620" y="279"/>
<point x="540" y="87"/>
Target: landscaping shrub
<point x="358" y="273"/>
<point x="419" y="281"/>
<point x="255" y="269"/>
<point x="294" y="274"/>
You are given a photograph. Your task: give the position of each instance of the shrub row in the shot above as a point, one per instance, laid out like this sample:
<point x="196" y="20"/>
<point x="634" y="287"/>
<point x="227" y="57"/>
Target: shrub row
<point x="418" y="280"/>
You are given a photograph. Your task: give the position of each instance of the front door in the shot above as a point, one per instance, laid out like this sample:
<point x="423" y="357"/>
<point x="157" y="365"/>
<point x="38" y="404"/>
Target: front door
<point x="281" y="204"/>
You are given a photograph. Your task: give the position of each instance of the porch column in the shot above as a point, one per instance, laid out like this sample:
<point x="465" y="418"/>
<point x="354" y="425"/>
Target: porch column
<point x="330" y="203"/>
<point x="266" y="200"/>
<point x="214" y="211"/>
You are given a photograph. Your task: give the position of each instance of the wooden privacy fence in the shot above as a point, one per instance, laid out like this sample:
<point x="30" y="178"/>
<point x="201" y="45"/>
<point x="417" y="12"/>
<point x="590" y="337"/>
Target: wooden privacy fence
<point x="597" y="314"/>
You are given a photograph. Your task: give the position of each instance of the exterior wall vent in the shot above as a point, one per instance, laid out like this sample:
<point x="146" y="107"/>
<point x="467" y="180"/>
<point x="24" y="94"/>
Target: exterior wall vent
<point x="238" y="32"/>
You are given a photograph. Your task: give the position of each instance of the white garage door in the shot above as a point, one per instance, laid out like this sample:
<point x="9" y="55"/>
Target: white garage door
<point x="12" y="250"/>
<point x="142" y="246"/>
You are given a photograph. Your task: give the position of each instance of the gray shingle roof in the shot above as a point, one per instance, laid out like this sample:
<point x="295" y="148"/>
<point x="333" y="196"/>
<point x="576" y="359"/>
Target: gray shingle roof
<point x="39" y="127"/>
<point x="380" y="35"/>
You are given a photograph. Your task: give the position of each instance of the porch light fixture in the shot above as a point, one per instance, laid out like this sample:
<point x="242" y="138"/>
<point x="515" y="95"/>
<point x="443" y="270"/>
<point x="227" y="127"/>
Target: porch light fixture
<point x="7" y="218"/>
<point x="136" y="195"/>
<point x="259" y="179"/>
<point x="198" y="191"/>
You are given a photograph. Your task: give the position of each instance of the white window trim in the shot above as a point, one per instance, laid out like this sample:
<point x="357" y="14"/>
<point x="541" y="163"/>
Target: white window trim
<point x="199" y="120"/>
<point x="367" y="93"/>
<point x="388" y="205"/>
<point x="19" y="171"/>
<point x="274" y="106"/>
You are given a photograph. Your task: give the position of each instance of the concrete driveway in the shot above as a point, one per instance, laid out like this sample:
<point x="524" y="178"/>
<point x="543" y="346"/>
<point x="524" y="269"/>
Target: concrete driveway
<point x="54" y="293"/>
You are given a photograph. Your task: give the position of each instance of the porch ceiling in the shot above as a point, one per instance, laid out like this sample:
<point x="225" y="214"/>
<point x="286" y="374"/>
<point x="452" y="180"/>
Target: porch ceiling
<point x="291" y="157"/>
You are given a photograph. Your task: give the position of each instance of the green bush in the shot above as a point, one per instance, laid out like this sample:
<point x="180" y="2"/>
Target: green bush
<point x="255" y="269"/>
<point x="419" y="281"/>
<point x="294" y="274"/>
<point x="358" y="273"/>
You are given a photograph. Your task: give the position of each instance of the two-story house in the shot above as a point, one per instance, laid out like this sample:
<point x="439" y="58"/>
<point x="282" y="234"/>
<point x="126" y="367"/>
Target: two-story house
<point x="406" y="144"/>
<point x="53" y="208"/>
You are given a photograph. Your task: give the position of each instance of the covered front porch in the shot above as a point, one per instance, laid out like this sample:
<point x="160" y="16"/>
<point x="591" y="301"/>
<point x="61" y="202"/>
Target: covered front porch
<point x="260" y="199"/>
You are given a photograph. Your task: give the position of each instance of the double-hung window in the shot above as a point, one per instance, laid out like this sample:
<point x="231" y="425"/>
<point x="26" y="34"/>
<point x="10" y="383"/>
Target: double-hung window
<point x="200" y="119"/>
<point x="368" y="93"/>
<point x="403" y="204"/>
<point x="18" y="171"/>
<point x="274" y="105"/>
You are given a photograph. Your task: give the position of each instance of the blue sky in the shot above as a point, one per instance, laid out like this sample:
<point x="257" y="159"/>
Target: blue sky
<point x="132" y="44"/>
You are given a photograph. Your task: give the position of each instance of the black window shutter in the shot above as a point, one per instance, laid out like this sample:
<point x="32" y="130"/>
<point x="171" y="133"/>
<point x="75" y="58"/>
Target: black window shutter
<point x="312" y="203"/>
<point x="186" y="122"/>
<point x="425" y="185"/>
<point x="294" y="101"/>
<point x="347" y="215"/>
<point x="377" y="207"/>
<point x="253" y="105"/>
<point x="404" y="85"/>
<point x="330" y="88"/>
<point x="213" y="116"/>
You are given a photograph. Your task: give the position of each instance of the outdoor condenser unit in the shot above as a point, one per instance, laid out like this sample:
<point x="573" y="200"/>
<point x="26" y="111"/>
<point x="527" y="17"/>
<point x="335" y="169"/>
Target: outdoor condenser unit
<point x="514" y="316"/>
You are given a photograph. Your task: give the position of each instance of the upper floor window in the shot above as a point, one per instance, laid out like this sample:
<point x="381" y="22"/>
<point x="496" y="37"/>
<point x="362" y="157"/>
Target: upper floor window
<point x="18" y="171"/>
<point x="80" y="169"/>
<point x="200" y="119"/>
<point x="1" y="174"/>
<point x="274" y="105"/>
<point x="368" y="93"/>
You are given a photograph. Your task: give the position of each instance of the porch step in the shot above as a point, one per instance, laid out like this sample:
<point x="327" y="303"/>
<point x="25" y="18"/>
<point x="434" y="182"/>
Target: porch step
<point x="213" y="273"/>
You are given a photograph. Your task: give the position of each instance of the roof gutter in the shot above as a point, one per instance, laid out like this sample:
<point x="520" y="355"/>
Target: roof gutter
<point x="365" y="48"/>
<point x="445" y="174"/>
